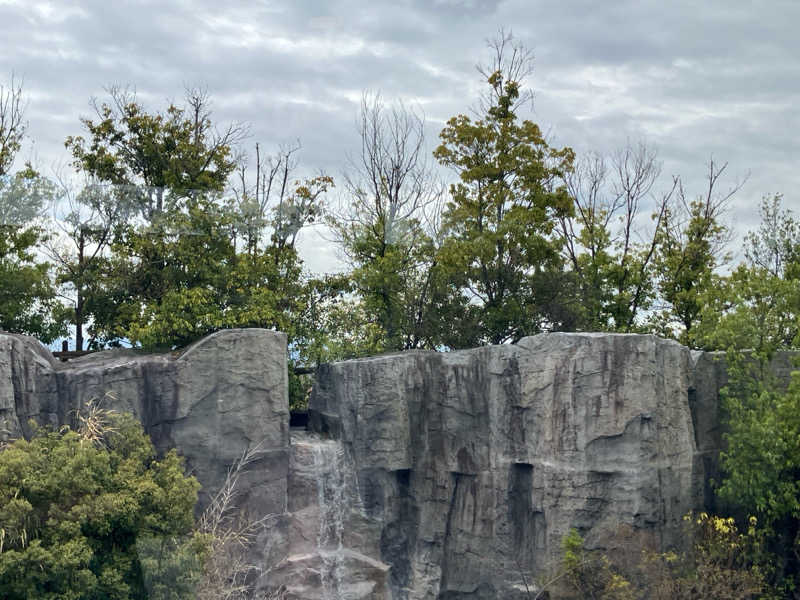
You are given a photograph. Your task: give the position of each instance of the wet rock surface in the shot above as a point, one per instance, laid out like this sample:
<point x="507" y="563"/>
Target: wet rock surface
<point x="331" y="550"/>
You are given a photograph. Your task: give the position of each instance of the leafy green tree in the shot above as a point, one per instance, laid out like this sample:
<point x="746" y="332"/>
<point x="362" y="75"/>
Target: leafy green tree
<point x="163" y="155"/>
<point x="633" y="278"/>
<point x="761" y="460"/>
<point x="179" y="280"/>
<point x="171" y="283"/>
<point x="84" y="223"/>
<point x="691" y="247"/>
<point x="27" y="295"/>
<point x="28" y="302"/>
<point x="750" y="309"/>
<point x="169" y="279"/>
<point x="752" y="314"/>
<point x="92" y="514"/>
<point x="758" y="306"/>
<point x="761" y="463"/>
<point x="499" y="248"/>
<point x="176" y="272"/>
<point x="162" y="165"/>
<point x="175" y="275"/>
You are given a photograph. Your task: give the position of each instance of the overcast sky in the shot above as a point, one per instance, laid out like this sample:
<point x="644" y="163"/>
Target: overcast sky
<point x="692" y="79"/>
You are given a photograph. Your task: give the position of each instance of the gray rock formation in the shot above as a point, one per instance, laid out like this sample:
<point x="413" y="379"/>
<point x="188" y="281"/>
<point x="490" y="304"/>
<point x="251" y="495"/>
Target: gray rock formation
<point x="426" y="475"/>
<point x="474" y="465"/>
<point x="220" y="396"/>
<point x="332" y="549"/>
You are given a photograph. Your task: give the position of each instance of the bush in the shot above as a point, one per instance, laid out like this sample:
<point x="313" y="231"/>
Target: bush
<point x="590" y="574"/>
<point x="93" y="514"/>
<point x="721" y="563"/>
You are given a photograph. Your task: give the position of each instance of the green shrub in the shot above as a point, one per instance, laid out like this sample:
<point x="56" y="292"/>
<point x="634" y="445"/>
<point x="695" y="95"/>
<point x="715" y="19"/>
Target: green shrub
<point x="720" y="563"/>
<point x="93" y="514"/>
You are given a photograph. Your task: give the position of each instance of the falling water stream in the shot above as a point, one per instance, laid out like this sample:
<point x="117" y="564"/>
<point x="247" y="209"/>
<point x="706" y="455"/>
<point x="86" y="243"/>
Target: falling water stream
<point x="337" y="495"/>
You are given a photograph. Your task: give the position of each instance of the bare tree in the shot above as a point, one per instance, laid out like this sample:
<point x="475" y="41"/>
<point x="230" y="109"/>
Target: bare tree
<point x="636" y="171"/>
<point x="276" y="201"/>
<point x="389" y="214"/>
<point x="710" y="207"/>
<point x="253" y="200"/>
<point x="605" y="242"/>
<point x="12" y="123"/>
<point x="209" y="139"/>
<point x="390" y="183"/>
<point x="511" y="63"/>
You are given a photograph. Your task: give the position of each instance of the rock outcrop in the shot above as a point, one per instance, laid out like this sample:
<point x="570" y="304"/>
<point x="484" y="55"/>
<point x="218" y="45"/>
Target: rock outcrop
<point x="474" y="465"/>
<point x="425" y="475"/>
<point x="220" y="396"/>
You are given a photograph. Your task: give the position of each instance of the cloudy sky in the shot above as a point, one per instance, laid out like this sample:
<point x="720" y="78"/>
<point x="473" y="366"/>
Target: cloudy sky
<point x="693" y="79"/>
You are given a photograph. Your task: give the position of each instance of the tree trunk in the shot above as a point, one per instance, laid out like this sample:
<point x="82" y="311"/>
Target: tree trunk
<point x="79" y="291"/>
<point x="79" y="322"/>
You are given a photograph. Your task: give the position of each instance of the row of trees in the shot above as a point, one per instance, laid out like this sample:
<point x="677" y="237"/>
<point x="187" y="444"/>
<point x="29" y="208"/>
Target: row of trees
<point x="170" y="235"/>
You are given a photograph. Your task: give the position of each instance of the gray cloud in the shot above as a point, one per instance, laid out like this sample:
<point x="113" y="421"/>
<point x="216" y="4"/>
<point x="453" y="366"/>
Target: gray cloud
<point x="694" y="79"/>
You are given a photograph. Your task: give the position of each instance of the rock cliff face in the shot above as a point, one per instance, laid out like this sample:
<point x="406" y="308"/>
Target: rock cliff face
<point x="474" y="465"/>
<point x="217" y="398"/>
<point x="424" y="475"/>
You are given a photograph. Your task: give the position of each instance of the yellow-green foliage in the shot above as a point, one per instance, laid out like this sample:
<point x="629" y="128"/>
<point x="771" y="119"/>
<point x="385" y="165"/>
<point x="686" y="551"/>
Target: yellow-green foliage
<point x="721" y="563"/>
<point x="95" y="517"/>
<point x="590" y="574"/>
<point x="501" y="214"/>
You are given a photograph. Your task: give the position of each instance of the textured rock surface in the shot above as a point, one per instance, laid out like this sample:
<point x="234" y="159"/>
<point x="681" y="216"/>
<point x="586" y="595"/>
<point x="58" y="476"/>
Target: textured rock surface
<point x="332" y="547"/>
<point x="223" y="394"/>
<point x="475" y="464"/>
<point x="429" y="475"/>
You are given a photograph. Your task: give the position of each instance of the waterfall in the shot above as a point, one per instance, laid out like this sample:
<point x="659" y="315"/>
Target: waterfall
<point x="336" y="495"/>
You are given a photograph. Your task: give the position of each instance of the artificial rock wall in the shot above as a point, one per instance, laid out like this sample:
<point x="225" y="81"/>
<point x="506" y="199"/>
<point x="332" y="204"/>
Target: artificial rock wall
<point x="477" y="463"/>
<point x="214" y="400"/>
<point x="425" y="475"/>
